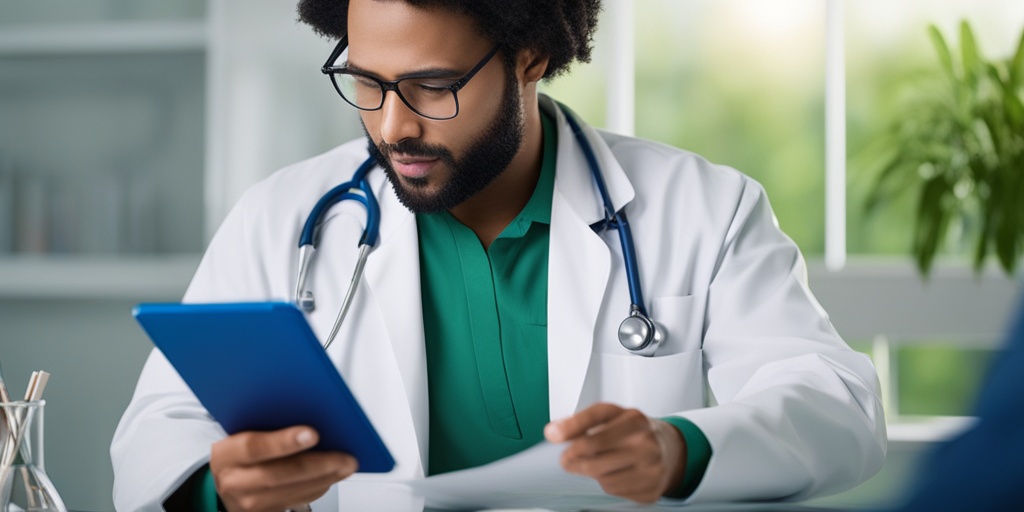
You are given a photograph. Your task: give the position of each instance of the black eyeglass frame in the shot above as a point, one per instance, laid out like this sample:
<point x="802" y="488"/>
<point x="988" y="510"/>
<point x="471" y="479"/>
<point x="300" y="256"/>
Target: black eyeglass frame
<point x="385" y="85"/>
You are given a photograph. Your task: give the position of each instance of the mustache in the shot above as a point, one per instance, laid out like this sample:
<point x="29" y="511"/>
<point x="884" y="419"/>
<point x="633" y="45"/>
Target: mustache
<point x="414" y="148"/>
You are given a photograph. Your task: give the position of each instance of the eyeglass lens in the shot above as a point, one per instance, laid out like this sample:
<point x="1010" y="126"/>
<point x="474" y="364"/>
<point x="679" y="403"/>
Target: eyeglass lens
<point x="428" y="97"/>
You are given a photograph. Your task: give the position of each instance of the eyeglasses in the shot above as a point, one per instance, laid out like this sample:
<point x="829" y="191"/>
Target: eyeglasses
<point x="432" y="97"/>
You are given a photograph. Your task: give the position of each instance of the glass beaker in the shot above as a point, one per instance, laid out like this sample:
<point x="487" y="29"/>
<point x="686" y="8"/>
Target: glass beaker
<point x="24" y="485"/>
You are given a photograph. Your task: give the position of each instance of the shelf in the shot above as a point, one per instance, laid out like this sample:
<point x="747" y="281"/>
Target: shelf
<point x="103" y="38"/>
<point x="910" y="431"/>
<point x="887" y="296"/>
<point x="142" y="278"/>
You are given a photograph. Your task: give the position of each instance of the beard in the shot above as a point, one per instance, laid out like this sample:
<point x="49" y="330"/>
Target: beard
<point x="485" y="158"/>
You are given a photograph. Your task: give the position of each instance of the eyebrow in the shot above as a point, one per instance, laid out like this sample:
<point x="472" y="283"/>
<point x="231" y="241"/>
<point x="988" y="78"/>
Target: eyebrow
<point x="420" y="73"/>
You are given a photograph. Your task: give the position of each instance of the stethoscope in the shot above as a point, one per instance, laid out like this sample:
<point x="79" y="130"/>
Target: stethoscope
<point x="637" y="333"/>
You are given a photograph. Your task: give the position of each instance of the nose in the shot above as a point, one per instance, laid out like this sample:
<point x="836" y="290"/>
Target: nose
<point x="397" y="121"/>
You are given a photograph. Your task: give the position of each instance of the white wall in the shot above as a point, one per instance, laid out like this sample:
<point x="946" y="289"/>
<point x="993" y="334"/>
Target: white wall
<point x="270" y="105"/>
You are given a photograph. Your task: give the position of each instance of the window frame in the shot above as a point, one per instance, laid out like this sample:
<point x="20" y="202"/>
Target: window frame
<point x="878" y="298"/>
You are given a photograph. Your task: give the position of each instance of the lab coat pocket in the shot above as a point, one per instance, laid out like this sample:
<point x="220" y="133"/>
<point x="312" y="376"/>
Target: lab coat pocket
<point x="682" y="321"/>
<point x="658" y="386"/>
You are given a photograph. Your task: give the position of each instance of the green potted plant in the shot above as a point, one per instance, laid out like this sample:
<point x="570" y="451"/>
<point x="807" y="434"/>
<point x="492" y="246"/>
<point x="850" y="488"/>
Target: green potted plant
<point x="959" y="146"/>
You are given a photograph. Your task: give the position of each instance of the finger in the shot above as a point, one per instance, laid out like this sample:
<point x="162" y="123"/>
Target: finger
<point x="247" y="448"/>
<point x="282" y="481"/>
<point x="578" y="424"/>
<point x="630" y="428"/>
<point x="637" y="485"/>
<point x="279" y="498"/>
<point x="607" y="463"/>
<point x="297" y="495"/>
<point x="303" y="467"/>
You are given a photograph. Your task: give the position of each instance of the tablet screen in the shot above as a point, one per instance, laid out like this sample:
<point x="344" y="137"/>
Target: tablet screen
<point x="258" y="366"/>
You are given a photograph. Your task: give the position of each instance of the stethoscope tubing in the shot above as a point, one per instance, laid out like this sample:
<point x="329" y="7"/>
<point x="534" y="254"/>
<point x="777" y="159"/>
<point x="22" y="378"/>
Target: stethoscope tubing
<point x="308" y="240"/>
<point x="357" y="274"/>
<point x="341" y="193"/>
<point x="613" y="219"/>
<point x="637" y="333"/>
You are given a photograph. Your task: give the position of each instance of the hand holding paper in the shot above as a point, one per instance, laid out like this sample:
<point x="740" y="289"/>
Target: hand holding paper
<point x="627" y="453"/>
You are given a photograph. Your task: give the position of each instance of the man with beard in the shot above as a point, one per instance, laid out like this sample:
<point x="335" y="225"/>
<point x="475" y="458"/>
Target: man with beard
<point x="488" y="316"/>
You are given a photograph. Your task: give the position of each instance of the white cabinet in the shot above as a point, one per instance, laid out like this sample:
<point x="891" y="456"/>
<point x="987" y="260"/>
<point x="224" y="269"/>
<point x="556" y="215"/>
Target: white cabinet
<point x="102" y="144"/>
<point x="128" y="128"/>
<point x="102" y="115"/>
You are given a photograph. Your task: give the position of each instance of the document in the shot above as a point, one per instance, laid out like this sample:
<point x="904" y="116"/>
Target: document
<point x="533" y="481"/>
<point x="532" y="478"/>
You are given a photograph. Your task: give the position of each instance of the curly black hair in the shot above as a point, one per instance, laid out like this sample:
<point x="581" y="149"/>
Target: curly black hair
<point x="561" y="29"/>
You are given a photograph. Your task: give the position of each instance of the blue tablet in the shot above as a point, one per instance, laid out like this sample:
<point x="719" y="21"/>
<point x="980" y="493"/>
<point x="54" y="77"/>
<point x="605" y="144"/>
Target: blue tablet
<point x="258" y="366"/>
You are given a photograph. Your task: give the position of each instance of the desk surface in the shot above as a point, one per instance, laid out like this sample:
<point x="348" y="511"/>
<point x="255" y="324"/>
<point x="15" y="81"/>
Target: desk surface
<point x="714" y="507"/>
<point x="745" y="507"/>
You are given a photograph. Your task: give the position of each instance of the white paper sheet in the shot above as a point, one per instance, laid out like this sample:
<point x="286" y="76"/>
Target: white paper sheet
<point x="534" y="481"/>
<point x="532" y="478"/>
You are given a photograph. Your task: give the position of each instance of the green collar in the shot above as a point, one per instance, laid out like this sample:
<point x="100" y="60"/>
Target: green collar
<point x="538" y="208"/>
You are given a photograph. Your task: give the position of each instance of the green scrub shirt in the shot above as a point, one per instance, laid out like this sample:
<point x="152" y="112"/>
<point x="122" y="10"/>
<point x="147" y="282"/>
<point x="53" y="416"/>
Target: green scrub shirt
<point x="485" y="322"/>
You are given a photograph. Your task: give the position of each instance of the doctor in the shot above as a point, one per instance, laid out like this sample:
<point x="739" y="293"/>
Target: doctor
<point x="487" y="318"/>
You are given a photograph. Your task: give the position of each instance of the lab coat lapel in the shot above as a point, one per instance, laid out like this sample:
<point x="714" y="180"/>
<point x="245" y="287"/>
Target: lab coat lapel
<point x="393" y="277"/>
<point x="579" y="262"/>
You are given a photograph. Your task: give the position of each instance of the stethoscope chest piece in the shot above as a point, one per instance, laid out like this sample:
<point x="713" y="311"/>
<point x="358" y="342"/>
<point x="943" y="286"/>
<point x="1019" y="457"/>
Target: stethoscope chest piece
<point x="638" y="334"/>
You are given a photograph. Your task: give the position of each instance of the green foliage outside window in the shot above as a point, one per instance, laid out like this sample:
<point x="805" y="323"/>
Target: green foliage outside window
<point x="939" y="379"/>
<point x="958" y="144"/>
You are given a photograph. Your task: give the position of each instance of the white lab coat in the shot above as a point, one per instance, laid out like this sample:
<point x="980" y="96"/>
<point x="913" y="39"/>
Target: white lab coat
<point x="750" y="357"/>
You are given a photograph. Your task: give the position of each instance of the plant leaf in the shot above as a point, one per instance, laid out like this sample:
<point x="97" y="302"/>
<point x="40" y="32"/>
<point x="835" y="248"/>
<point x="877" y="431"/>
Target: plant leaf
<point x="981" y="243"/>
<point x="969" y="54"/>
<point x="1016" y="65"/>
<point x="1006" y="239"/>
<point x="1012" y="234"/>
<point x="945" y="57"/>
<point x="1013" y="105"/>
<point x="932" y="221"/>
<point x="880" y="192"/>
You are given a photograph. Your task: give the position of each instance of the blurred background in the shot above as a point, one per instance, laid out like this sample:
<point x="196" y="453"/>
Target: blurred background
<point x="129" y="128"/>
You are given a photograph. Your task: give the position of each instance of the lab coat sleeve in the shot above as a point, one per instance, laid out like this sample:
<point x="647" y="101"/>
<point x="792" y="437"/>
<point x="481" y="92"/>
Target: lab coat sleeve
<point x="165" y="434"/>
<point x="798" y="412"/>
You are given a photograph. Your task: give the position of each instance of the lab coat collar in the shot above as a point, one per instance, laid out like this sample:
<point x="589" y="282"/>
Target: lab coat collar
<point x="574" y="179"/>
<point x="393" y="278"/>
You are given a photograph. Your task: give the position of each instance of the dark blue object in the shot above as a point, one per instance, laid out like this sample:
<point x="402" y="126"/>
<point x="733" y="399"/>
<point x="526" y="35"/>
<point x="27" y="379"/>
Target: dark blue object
<point x="983" y="468"/>
<point x="612" y="219"/>
<point x="342" y="193"/>
<point x="259" y="367"/>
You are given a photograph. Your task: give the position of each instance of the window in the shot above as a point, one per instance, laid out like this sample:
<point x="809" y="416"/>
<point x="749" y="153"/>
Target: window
<point x="761" y="86"/>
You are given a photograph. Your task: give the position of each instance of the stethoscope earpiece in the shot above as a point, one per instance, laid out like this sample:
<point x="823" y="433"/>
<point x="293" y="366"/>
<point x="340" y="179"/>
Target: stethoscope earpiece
<point x="638" y="333"/>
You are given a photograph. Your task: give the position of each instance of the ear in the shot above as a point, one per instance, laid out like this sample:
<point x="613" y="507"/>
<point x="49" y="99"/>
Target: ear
<point x="531" y="65"/>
